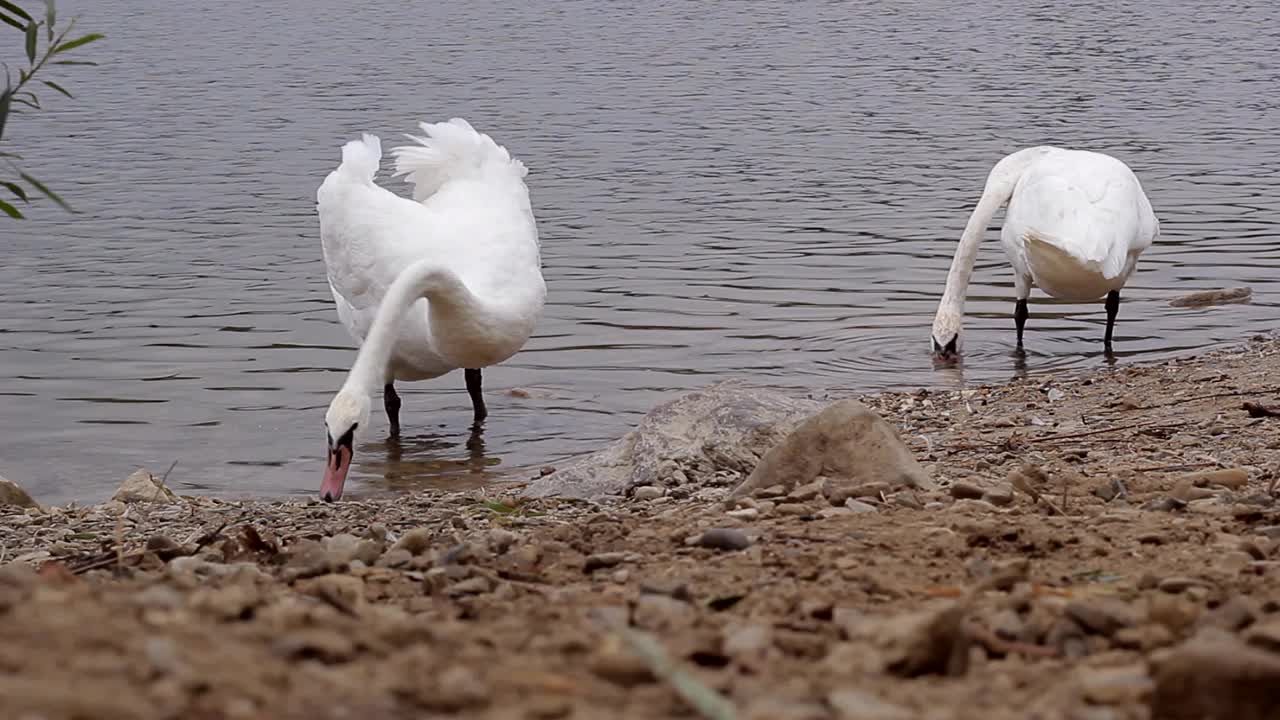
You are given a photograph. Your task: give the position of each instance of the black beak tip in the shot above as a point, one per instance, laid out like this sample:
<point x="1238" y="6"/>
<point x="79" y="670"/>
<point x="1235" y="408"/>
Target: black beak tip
<point x="946" y="353"/>
<point x="327" y="497"/>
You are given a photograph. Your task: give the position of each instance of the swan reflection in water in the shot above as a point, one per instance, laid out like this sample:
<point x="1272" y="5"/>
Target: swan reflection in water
<point x="437" y="461"/>
<point x="951" y="369"/>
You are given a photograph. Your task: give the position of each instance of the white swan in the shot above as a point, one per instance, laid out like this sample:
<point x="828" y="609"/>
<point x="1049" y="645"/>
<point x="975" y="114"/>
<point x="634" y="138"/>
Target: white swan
<point x="451" y="279"/>
<point x="1076" y="223"/>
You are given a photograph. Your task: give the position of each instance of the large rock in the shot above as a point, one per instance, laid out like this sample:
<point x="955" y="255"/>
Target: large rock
<point x="1216" y="675"/>
<point x="142" y="486"/>
<point x="726" y="426"/>
<point x="848" y="443"/>
<point x="12" y="495"/>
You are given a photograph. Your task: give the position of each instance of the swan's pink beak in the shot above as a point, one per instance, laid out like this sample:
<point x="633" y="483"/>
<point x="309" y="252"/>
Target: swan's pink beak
<point x="335" y="473"/>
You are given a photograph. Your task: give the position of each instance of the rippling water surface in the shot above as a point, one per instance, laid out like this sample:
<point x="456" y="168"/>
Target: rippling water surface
<point x="768" y="189"/>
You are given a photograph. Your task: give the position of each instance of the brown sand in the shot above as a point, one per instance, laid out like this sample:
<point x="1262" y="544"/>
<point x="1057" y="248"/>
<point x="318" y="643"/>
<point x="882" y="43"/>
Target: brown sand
<point x="1154" y="521"/>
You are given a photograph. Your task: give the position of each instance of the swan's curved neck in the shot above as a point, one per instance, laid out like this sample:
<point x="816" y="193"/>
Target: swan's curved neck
<point x="452" y="307"/>
<point x="999" y="188"/>
<point x="967" y="251"/>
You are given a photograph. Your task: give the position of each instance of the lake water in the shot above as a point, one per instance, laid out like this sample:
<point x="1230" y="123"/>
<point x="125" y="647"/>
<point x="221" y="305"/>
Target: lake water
<point x="765" y="189"/>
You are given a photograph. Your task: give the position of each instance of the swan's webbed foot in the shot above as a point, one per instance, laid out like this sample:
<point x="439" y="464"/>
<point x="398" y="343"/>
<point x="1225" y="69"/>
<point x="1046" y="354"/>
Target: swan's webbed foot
<point x="480" y="412"/>
<point x="391" y="402"/>
<point x="1113" y="307"/>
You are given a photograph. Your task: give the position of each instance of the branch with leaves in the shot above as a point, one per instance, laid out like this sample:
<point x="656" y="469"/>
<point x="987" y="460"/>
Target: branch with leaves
<point x="45" y="45"/>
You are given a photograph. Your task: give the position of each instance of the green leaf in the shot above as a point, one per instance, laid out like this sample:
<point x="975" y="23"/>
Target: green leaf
<point x="16" y="189"/>
<point x="10" y="7"/>
<point x="50" y="17"/>
<point x="31" y="41"/>
<point x="12" y="21"/>
<point x="10" y="210"/>
<point x="46" y="192"/>
<point x="57" y="87"/>
<point x="71" y="44"/>
<point x="74" y="62"/>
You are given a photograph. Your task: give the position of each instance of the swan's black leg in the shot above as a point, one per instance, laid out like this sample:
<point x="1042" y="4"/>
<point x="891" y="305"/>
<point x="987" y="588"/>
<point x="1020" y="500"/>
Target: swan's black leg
<point x="477" y="398"/>
<point x="391" y="401"/>
<point x="1113" y="307"/>
<point x="1020" y="314"/>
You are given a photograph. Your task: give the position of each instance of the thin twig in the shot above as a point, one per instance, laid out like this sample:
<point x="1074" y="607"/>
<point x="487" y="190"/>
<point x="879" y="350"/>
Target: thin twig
<point x="107" y="559"/>
<point x="1170" y="468"/>
<point x="706" y="701"/>
<point x="165" y="477"/>
<point x="211" y="536"/>
<point x="120" y="557"/>
<point x="1117" y="428"/>
<point x="118" y="538"/>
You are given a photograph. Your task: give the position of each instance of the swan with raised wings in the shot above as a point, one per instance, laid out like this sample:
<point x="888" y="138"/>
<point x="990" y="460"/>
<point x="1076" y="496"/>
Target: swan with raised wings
<point x="451" y="279"/>
<point x="1075" y="225"/>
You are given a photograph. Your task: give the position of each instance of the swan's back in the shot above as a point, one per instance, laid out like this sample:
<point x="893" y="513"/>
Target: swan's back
<point x="1087" y="204"/>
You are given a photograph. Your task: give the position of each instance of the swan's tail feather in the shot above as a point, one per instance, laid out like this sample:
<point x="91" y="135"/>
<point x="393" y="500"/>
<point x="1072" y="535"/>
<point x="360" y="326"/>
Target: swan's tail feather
<point x="360" y="158"/>
<point x="1064" y="273"/>
<point x="452" y="150"/>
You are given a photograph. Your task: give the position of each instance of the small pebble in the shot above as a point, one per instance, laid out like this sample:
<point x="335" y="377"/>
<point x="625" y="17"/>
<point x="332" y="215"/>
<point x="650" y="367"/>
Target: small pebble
<point x="999" y="496"/>
<point x="805" y="493"/>
<point x="1235" y="561"/>
<point x="602" y="560"/>
<point x="647" y="492"/>
<point x="857" y="506"/>
<point x="1174" y="585"/>
<point x="966" y="491"/>
<point x="724" y="539"/>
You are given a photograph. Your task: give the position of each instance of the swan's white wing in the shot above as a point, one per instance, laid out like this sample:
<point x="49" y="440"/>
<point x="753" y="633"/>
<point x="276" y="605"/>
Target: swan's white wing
<point x="373" y="234"/>
<point x="473" y="218"/>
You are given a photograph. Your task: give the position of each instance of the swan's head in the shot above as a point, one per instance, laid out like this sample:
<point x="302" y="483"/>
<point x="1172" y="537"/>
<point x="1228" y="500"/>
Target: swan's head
<point x="348" y="413"/>
<point x="945" y="338"/>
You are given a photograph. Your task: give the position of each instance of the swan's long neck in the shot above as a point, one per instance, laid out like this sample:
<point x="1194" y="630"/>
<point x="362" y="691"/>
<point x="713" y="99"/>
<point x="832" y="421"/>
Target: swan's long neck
<point x="999" y="188"/>
<point x="454" y="312"/>
<point x="967" y="252"/>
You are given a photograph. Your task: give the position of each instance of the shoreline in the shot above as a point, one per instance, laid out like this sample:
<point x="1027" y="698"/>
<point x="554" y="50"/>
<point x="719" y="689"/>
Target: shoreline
<point x="1094" y="540"/>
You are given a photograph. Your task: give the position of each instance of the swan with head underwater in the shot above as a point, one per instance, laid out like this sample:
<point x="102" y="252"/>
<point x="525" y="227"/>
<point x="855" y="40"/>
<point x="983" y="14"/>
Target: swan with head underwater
<point x="451" y="279"/>
<point x="1075" y="225"/>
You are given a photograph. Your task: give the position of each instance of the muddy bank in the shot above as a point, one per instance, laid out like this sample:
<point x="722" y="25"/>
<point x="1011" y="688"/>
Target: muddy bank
<point x="1105" y="546"/>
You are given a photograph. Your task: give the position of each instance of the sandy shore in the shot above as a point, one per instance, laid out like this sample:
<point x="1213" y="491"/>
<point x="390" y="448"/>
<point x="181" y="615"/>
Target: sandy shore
<point x="1102" y="546"/>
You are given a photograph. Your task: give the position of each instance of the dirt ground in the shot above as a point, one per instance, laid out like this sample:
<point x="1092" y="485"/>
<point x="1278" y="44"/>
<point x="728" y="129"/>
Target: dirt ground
<point x="1102" y="547"/>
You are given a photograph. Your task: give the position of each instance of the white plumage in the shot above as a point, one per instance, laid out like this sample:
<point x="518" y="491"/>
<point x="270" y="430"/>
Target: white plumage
<point x="1075" y="225"/>
<point x="451" y="279"/>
